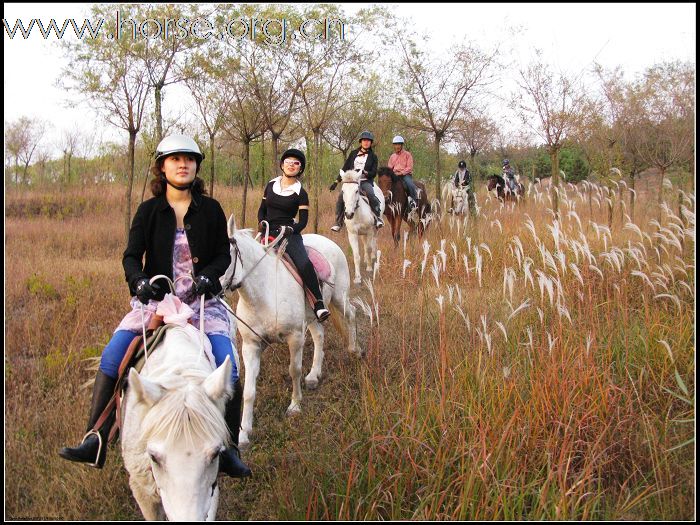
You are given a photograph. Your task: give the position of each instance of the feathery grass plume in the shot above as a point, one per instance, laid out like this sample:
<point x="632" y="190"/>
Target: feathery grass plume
<point x="465" y="317"/>
<point x="564" y="312"/>
<point x="506" y="372"/>
<point x="668" y="349"/>
<point x="376" y="264"/>
<point x="366" y="309"/>
<point x="576" y="272"/>
<point x="486" y="247"/>
<point x="469" y="244"/>
<point x="440" y="299"/>
<point x="561" y="256"/>
<point x="551" y="341"/>
<point x="450" y="292"/>
<point x="527" y="263"/>
<point x="435" y="270"/>
<point x="531" y="226"/>
<point x="672" y="297"/>
<point x="573" y="214"/>
<point x="497" y="223"/>
<point x="370" y="286"/>
<point x="503" y="329"/>
<point x="523" y="306"/>
<point x="508" y="282"/>
<point x="596" y="269"/>
<point x="406" y="264"/>
<point x="443" y="257"/>
<point x="477" y="263"/>
<point x="454" y="250"/>
<point x="466" y="263"/>
<point x="634" y="228"/>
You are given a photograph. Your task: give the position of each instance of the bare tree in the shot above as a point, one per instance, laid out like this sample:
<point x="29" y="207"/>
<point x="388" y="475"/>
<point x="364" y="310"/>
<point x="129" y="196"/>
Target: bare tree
<point x="22" y="138"/>
<point x="475" y="132"/>
<point x="439" y="90"/>
<point x="115" y="83"/>
<point x="551" y="107"/>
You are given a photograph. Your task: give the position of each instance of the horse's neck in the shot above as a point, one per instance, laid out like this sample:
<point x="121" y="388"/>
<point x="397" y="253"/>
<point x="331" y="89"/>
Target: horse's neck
<point x="177" y="351"/>
<point x="256" y="286"/>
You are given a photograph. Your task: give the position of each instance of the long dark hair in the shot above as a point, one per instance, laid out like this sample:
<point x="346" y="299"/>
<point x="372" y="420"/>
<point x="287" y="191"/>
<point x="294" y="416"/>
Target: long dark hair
<point x="158" y="183"/>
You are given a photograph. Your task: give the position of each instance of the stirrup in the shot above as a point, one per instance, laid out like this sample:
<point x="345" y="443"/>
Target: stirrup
<point x="322" y="314"/>
<point x="99" y="447"/>
<point x="335" y="228"/>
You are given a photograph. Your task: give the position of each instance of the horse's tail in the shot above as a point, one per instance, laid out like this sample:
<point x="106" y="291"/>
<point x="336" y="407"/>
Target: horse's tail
<point x="338" y="317"/>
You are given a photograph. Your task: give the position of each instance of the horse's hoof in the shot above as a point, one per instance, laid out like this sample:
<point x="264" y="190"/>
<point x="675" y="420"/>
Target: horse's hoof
<point x="293" y="410"/>
<point x="243" y="441"/>
<point x="312" y="383"/>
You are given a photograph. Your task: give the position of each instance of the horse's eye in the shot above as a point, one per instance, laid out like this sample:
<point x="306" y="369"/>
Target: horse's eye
<point x="154" y="459"/>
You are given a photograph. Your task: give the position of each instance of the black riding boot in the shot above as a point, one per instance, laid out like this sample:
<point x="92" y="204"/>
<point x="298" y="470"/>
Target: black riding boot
<point x="93" y="449"/>
<point x="378" y="216"/>
<point x="230" y="459"/>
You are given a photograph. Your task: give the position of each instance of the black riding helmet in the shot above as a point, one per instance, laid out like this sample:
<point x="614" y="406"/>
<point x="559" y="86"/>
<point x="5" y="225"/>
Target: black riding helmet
<point x="366" y="135"/>
<point x="297" y="155"/>
<point x="462" y="164"/>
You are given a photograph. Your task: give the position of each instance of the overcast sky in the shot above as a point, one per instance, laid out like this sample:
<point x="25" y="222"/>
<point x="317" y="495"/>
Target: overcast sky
<point x="571" y="37"/>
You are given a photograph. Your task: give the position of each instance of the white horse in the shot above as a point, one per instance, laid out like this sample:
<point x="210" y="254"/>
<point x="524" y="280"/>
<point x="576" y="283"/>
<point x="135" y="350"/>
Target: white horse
<point x="173" y="428"/>
<point x="457" y="195"/>
<point x="360" y="221"/>
<point x="274" y="306"/>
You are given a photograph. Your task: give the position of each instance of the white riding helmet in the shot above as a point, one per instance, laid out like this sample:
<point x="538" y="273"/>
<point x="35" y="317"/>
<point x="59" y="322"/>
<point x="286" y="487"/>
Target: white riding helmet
<point x="179" y="144"/>
<point x="398" y="139"/>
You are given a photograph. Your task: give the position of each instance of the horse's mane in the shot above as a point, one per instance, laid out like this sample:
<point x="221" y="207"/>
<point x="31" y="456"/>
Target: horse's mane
<point x="185" y="412"/>
<point x="351" y="176"/>
<point x="386" y="170"/>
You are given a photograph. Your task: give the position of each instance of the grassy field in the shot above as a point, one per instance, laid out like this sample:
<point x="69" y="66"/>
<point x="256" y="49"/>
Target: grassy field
<point x="517" y="368"/>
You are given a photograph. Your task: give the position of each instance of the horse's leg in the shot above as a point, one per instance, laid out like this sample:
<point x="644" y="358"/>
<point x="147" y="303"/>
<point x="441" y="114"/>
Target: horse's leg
<point x="373" y="250"/>
<point x="251" y="360"/>
<point x="356" y="255"/>
<point x="150" y="506"/>
<point x="369" y="254"/>
<point x="396" y="229"/>
<point x="317" y="333"/>
<point x="296" y="347"/>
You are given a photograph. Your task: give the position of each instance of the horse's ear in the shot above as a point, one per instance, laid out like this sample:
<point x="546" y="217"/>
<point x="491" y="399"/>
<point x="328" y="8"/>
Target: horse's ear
<point x="218" y="383"/>
<point x="231" y="226"/>
<point x="146" y="391"/>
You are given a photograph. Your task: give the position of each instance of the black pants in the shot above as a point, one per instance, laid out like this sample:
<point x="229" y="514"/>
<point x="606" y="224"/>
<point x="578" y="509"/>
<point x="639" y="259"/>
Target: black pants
<point x="368" y="188"/>
<point x="297" y="252"/>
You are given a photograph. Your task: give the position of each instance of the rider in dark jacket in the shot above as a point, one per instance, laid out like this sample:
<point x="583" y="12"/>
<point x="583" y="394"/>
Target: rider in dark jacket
<point x="362" y="158"/>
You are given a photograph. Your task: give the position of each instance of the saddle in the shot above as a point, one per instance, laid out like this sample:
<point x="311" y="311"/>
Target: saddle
<point x="321" y="266"/>
<point x="134" y="358"/>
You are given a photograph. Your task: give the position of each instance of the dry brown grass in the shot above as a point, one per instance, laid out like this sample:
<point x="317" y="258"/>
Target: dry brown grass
<point x="444" y="419"/>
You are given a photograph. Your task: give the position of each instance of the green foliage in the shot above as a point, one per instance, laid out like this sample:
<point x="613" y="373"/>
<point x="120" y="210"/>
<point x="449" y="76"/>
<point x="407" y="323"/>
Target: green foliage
<point x="38" y="286"/>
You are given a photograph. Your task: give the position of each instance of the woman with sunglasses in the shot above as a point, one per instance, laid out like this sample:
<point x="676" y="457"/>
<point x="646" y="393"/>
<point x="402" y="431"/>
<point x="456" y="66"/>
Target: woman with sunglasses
<point x="282" y="199"/>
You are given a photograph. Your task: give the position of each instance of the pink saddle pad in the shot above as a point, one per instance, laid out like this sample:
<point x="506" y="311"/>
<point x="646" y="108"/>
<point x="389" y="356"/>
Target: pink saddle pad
<point x="321" y="264"/>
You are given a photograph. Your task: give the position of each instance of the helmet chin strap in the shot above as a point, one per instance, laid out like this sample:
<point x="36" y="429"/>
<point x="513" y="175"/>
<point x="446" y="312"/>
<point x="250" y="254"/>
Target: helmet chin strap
<point x="180" y="188"/>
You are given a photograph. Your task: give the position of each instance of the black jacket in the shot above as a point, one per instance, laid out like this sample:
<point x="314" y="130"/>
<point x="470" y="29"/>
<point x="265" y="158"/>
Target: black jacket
<point x="153" y="233"/>
<point x="370" y="166"/>
<point x="467" y="178"/>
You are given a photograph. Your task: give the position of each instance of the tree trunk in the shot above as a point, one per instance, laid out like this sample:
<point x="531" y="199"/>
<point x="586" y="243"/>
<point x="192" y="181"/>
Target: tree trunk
<point x="275" y="155"/>
<point x="145" y="182"/>
<point x="212" y="164"/>
<point x="316" y="180"/>
<point x="130" y="182"/>
<point x="438" y="181"/>
<point x="661" y="184"/>
<point x="159" y="116"/>
<point x="246" y="169"/>
<point x="262" y="162"/>
<point x="554" y="189"/>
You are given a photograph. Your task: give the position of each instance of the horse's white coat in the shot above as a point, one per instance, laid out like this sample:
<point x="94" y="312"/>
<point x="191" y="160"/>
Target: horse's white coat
<point x="173" y="429"/>
<point x="273" y="304"/>
<point x="360" y="222"/>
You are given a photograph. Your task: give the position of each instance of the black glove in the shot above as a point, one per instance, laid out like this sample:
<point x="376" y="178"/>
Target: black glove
<point x="202" y="285"/>
<point x="145" y="290"/>
<point x="262" y="226"/>
<point x="333" y="186"/>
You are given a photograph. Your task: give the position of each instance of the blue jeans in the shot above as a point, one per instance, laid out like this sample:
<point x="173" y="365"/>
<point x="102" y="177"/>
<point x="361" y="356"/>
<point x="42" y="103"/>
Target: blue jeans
<point x="410" y="186"/>
<point x="112" y="355"/>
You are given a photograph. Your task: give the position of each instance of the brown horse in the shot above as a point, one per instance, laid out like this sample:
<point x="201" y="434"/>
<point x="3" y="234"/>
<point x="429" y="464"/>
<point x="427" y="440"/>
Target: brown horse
<point x="396" y="207"/>
<point x="503" y="191"/>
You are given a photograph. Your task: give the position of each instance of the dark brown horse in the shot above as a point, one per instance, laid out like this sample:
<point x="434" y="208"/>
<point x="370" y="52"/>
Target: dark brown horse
<point x="396" y="207"/>
<point x="503" y="191"/>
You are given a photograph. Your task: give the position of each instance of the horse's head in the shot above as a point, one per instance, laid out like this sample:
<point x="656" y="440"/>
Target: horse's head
<point x="243" y="250"/>
<point x="182" y="433"/>
<point x="351" y="191"/>
<point x="494" y="181"/>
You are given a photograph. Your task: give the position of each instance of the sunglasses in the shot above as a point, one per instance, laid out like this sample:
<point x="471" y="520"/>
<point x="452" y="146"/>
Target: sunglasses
<point x="289" y="162"/>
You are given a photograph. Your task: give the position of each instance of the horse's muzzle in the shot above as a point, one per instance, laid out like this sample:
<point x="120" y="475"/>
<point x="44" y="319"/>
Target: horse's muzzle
<point x="349" y="216"/>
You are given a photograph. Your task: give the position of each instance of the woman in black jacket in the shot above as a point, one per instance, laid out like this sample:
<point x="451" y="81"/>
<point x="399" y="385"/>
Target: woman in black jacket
<point x="282" y="199"/>
<point x="364" y="159"/>
<point x="180" y="231"/>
